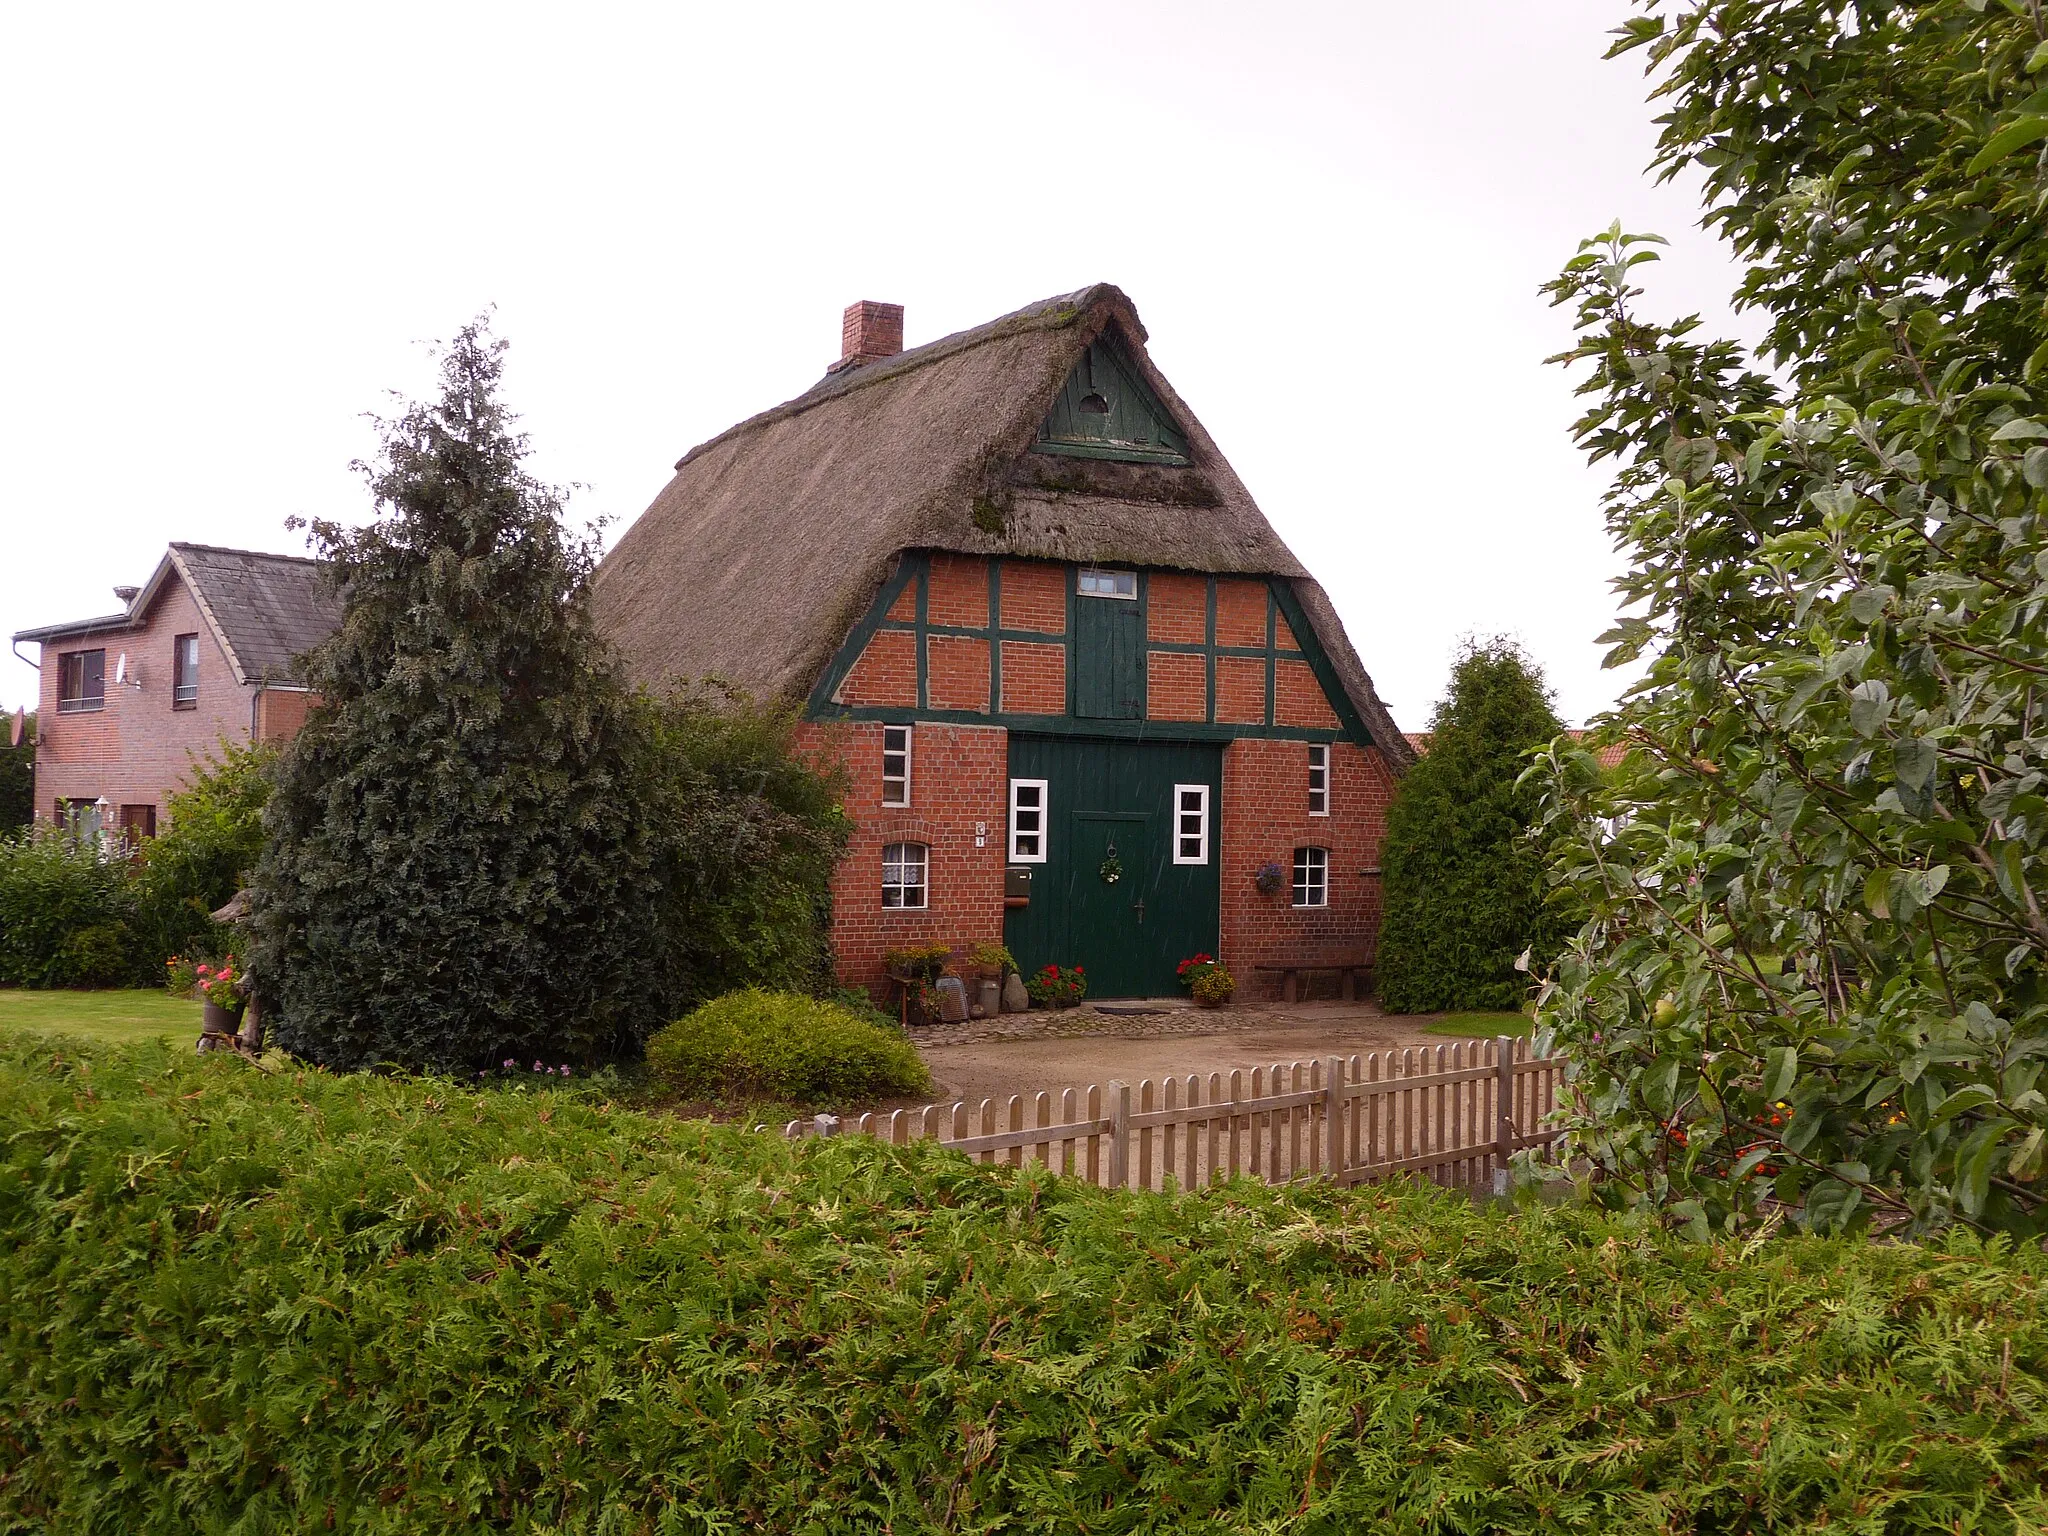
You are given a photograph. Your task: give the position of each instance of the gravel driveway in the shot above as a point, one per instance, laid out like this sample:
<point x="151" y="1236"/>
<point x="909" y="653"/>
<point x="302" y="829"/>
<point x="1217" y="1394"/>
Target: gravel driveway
<point x="974" y="1062"/>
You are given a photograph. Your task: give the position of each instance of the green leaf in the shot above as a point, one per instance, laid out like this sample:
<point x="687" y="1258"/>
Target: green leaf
<point x="1867" y="604"/>
<point x="2018" y="429"/>
<point x="1974" y="1160"/>
<point x="1869" y="702"/>
<point x="1914" y="759"/>
<point x="1969" y="1096"/>
<point x="2008" y="140"/>
<point x="2027" y="1156"/>
<point x="1781" y="1070"/>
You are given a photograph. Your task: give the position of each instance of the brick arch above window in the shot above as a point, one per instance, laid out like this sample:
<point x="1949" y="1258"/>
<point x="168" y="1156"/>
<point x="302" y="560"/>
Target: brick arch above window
<point x="904" y="829"/>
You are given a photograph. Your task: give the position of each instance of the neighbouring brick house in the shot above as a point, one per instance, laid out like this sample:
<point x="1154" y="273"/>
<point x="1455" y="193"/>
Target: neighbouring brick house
<point x="204" y="652"/>
<point x="1083" y="692"/>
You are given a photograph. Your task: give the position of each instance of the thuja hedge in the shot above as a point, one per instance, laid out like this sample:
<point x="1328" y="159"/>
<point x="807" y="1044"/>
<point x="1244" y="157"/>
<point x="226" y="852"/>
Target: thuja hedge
<point x="256" y="1302"/>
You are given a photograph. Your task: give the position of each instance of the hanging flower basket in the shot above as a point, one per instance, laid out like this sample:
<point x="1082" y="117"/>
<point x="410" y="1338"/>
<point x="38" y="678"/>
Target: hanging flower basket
<point x="1269" y="877"/>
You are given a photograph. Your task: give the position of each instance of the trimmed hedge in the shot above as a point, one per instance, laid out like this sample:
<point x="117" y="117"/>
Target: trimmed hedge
<point x="309" y="1302"/>
<point x="785" y="1047"/>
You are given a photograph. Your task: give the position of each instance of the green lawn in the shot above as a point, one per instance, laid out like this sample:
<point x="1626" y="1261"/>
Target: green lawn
<point x="1479" y="1026"/>
<point x="118" y="1014"/>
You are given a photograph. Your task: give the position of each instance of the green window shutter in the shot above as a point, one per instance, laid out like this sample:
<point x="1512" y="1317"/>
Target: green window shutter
<point x="1109" y="659"/>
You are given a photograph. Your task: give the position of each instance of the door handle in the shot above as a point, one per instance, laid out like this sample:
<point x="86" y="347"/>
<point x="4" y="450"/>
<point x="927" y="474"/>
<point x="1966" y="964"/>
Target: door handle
<point x="1138" y="907"/>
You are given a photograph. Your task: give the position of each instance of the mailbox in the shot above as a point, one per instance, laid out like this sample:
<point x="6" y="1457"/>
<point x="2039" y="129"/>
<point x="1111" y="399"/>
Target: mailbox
<point x="1016" y="887"/>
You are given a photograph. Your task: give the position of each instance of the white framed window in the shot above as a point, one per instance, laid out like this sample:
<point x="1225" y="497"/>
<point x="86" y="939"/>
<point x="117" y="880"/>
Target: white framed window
<point x="895" y="765"/>
<point x="1027" y="821"/>
<point x="1190" y="823"/>
<point x="1311" y="877"/>
<point x="1318" y="778"/>
<point x="1096" y="583"/>
<point x="906" y="868"/>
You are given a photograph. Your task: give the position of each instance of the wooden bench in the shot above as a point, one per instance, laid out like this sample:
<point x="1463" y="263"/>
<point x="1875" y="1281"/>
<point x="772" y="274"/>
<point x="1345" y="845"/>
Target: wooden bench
<point x="1291" y="972"/>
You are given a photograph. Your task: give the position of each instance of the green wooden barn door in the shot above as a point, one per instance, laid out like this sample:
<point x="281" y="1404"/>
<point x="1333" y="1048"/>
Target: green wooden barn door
<point x="1110" y="895"/>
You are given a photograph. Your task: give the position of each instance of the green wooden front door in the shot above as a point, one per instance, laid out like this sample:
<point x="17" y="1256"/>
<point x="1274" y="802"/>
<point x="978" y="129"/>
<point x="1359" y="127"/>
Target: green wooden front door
<point x="1111" y="809"/>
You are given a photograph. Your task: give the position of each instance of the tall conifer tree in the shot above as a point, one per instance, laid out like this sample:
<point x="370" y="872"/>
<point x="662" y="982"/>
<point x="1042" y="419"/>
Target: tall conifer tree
<point x="455" y="870"/>
<point x="1464" y="886"/>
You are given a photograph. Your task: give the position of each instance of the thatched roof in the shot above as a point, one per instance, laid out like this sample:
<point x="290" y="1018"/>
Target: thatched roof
<point x="772" y="539"/>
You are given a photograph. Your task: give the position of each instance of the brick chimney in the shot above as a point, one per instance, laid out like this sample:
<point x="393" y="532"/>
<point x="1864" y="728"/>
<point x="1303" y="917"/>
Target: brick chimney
<point x="868" y="332"/>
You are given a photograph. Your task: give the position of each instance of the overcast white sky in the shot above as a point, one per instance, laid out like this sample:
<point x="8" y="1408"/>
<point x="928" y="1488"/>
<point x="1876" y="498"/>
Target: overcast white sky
<point x="227" y="232"/>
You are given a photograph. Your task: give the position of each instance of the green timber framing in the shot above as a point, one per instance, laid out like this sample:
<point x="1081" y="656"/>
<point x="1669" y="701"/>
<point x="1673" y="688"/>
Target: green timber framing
<point x="913" y="569"/>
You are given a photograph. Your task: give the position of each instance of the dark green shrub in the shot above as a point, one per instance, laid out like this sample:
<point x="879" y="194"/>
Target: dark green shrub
<point x="209" y="846"/>
<point x="1465" y="885"/>
<point x="18" y="779"/>
<point x="255" y="1302"/>
<point x="65" y="910"/>
<point x="456" y="869"/>
<point x="745" y="835"/>
<point x="787" y="1048"/>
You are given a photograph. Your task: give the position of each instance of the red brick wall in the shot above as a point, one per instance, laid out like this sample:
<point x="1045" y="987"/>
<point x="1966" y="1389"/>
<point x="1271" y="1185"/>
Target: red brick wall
<point x="280" y="712"/>
<point x="1298" y="698"/>
<point x="138" y="749"/>
<point x="886" y="673"/>
<point x="1177" y="608"/>
<point x="1240" y="611"/>
<point x="956" y="672"/>
<point x="1176" y="686"/>
<point x="1241" y="690"/>
<point x="958" y="593"/>
<point x="1265" y="817"/>
<point x="959" y="775"/>
<point x="1035" y="597"/>
<point x="1034" y="678"/>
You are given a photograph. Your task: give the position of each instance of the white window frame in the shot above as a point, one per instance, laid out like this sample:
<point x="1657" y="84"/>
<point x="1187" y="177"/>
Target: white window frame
<point x="1319" y="778"/>
<point x="1117" y="581"/>
<point x="889" y="779"/>
<point x="1180" y="832"/>
<point x="902" y="864"/>
<point x="1044" y="809"/>
<point x="1306" y="885"/>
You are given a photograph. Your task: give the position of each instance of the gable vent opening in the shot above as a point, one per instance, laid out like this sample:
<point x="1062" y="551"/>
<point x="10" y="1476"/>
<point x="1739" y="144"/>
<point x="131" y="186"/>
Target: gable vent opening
<point x="1094" y="405"/>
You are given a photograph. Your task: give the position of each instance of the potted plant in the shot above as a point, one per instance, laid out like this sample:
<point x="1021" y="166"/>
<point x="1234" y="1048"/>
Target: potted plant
<point x="1214" y="987"/>
<point x="914" y="972"/>
<point x="1269" y="877"/>
<point x="219" y="989"/>
<point x="1057" y="986"/>
<point x="991" y="961"/>
<point x="1206" y="980"/>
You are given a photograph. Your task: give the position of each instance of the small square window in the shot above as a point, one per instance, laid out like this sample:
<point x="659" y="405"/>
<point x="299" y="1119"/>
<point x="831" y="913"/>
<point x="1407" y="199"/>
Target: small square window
<point x="904" y="870"/>
<point x="1318" y="779"/>
<point x="895" y="765"/>
<point x="1311" y="877"/>
<point x="1094" y="583"/>
<point x="1027" y="821"/>
<point x="1190" y="823"/>
<point x="185" y="672"/>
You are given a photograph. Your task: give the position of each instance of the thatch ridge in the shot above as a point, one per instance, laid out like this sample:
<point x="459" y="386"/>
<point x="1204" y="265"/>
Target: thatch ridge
<point x="771" y="539"/>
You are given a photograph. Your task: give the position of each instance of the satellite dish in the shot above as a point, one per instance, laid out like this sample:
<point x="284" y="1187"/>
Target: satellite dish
<point x="121" y="669"/>
<point x="20" y="726"/>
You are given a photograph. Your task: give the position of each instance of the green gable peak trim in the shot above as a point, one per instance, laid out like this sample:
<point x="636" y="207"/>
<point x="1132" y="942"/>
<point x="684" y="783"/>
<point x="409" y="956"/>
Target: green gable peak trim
<point x="1105" y="410"/>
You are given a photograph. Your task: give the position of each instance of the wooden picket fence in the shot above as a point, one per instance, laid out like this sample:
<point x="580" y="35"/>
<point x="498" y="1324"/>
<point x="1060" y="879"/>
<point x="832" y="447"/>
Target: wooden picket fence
<point x="1453" y="1114"/>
